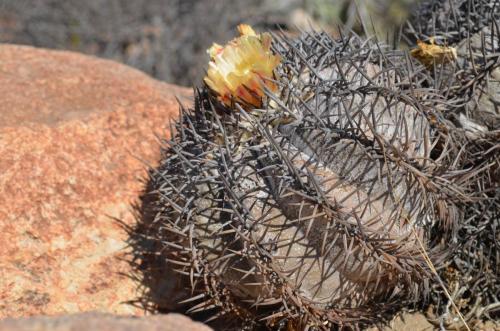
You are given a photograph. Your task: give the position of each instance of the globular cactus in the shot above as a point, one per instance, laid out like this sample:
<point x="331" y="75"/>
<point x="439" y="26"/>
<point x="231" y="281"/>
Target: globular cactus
<point x="470" y="87"/>
<point x="307" y="198"/>
<point x="471" y="28"/>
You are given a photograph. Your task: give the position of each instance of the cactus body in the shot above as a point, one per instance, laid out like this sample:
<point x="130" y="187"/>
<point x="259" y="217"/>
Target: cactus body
<point x="330" y="204"/>
<point x="314" y="210"/>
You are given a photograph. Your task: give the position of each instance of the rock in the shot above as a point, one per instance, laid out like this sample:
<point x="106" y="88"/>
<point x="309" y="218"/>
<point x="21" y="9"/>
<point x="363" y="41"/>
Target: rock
<point x="75" y="132"/>
<point x="96" y="321"/>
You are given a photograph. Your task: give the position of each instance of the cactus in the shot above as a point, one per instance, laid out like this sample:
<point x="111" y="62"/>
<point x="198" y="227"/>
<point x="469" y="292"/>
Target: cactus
<point x="319" y="182"/>
<point x="470" y="86"/>
<point x="314" y="208"/>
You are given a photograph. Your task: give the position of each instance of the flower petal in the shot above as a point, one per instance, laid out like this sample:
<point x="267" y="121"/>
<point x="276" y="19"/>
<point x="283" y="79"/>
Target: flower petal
<point x="240" y="70"/>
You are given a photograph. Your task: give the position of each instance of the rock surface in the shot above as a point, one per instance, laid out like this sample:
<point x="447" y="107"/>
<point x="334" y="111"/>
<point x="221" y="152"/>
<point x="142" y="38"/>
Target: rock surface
<point x="73" y="132"/>
<point x="96" y="321"/>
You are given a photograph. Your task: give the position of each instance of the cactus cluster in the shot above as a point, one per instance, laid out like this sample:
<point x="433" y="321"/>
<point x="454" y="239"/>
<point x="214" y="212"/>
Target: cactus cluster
<point x="361" y="183"/>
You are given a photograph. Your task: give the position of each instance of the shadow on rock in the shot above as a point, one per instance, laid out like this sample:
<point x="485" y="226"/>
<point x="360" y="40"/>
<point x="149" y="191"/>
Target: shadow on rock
<point x="159" y="287"/>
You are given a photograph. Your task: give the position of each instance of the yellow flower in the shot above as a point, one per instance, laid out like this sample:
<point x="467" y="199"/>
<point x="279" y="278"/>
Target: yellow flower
<point x="430" y="53"/>
<point x="246" y="30"/>
<point x="239" y="71"/>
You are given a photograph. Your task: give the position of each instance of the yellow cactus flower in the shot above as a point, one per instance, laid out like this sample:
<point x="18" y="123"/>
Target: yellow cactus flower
<point x="246" y="30"/>
<point x="430" y="53"/>
<point x="214" y="50"/>
<point x="239" y="71"/>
